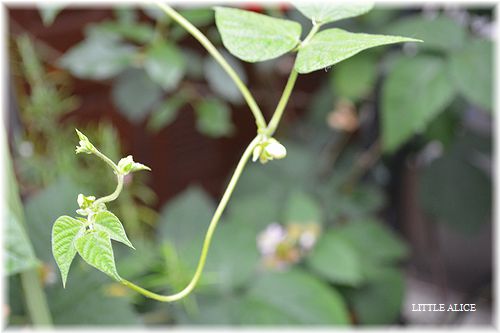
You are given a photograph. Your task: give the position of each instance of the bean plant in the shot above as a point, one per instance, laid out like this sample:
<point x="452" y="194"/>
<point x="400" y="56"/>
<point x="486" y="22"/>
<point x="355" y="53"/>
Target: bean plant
<point x="251" y="37"/>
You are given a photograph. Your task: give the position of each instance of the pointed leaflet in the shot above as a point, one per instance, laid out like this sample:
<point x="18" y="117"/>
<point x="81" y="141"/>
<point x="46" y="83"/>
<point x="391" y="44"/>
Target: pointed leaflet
<point x="329" y="11"/>
<point x="64" y="232"/>
<point x="331" y="46"/>
<point x="255" y="37"/>
<point x="110" y="224"/>
<point x="95" y="248"/>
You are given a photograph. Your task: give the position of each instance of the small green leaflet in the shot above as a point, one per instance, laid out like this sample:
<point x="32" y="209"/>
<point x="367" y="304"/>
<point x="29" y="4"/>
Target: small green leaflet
<point x="64" y="232"/>
<point x="255" y="37"/>
<point x="95" y="248"/>
<point x="331" y="46"/>
<point x="110" y="224"/>
<point x="329" y="11"/>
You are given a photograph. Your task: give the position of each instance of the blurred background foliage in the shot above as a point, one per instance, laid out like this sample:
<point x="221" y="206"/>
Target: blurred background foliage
<point x="387" y="183"/>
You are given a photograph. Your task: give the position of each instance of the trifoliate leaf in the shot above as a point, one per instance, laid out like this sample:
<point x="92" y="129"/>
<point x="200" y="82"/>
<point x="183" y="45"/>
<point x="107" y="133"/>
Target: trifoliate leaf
<point x="64" y="232"/>
<point x="109" y="223"/>
<point x="95" y="248"/>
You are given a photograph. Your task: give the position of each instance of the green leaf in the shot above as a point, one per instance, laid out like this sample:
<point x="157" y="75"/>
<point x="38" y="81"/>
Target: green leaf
<point x="300" y="296"/>
<point x="213" y="118"/>
<point x="110" y="224"/>
<point x="413" y="94"/>
<point x="355" y="78"/>
<point x="165" y="113"/>
<point x="220" y="82"/>
<point x="335" y="258"/>
<point x="255" y="37"/>
<point x="374" y="241"/>
<point x="329" y="11"/>
<point x="331" y="46"/>
<point x="19" y="255"/>
<point x="302" y="208"/>
<point x="165" y="64"/>
<point x="380" y="301"/>
<point x="134" y="93"/>
<point x="472" y="72"/>
<point x="95" y="248"/>
<point x="88" y="286"/>
<point x="441" y="33"/>
<point x="64" y="233"/>
<point x="98" y="58"/>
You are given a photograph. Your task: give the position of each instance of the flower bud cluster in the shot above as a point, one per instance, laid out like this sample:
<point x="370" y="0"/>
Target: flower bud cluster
<point x="268" y="149"/>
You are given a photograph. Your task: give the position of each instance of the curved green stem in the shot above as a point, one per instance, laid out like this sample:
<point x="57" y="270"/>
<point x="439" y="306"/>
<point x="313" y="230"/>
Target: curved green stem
<point x="119" y="178"/>
<point x="208" y="237"/>
<point x="259" y="118"/>
<point x="107" y="160"/>
<point x="275" y="120"/>
<point x="113" y="195"/>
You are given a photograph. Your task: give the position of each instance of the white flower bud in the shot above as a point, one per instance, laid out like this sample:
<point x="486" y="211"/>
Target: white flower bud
<point x="275" y="149"/>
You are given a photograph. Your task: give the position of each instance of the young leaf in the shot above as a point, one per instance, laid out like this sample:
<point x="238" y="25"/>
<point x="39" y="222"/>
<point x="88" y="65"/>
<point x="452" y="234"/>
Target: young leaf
<point x="165" y="64"/>
<point x="110" y="224"/>
<point x="255" y="37"/>
<point x="64" y="232"/>
<point x="329" y="11"/>
<point x="331" y="46"/>
<point x="95" y="248"/>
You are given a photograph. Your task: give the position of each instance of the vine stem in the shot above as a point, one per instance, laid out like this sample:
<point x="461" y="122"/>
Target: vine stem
<point x="275" y="120"/>
<point x="208" y="237"/>
<point x="257" y="113"/>
<point x="280" y="108"/>
<point x="119" y="178"/>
